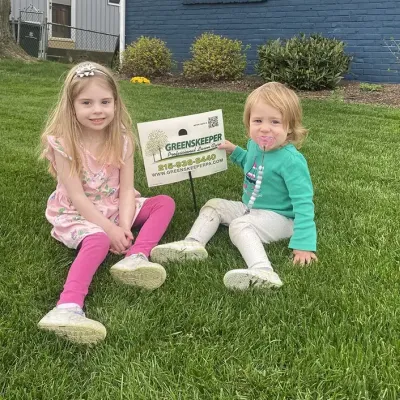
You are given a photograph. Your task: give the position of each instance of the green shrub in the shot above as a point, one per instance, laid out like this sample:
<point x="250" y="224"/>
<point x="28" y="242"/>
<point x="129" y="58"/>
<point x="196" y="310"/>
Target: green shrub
<point x="305" y="63"/>
<point x="215" y="58"/>
<point x="147" y="57"/>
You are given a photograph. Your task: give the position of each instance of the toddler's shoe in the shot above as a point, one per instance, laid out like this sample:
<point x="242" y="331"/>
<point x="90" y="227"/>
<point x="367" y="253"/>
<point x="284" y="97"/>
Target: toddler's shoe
<point x="242" y="279"/>
<point x="137" y="270"/>
<point x="179" y="251"/>
<point x="72" y="324"/>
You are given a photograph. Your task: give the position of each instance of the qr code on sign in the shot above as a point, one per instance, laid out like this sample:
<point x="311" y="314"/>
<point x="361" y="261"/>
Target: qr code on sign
<point x="212" y="122"/>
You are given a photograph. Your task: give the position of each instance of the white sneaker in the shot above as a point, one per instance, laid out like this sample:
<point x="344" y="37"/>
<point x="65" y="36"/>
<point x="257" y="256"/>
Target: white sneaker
<point x="179" y="251"/>
<point x="243" y="279"/>
<point x="137" y="270"/>
<point x="72" y="324"/>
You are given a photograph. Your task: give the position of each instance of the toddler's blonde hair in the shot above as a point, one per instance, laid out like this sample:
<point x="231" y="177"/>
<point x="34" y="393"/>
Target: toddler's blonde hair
<point x="62" y="122"/>
<point x="286" y="101"/>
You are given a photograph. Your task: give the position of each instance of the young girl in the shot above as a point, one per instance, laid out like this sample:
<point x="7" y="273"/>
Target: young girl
<point x="277" y="201"/>
<point x="88" y="141"/>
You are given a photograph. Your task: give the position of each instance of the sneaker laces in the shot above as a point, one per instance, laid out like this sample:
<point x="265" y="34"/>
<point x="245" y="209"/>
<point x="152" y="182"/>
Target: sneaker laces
<point x="139" y="256"/>
<point x="75" y="310"/>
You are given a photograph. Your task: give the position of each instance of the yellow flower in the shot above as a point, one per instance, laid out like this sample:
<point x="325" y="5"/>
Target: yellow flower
<point x="139" y="79"/>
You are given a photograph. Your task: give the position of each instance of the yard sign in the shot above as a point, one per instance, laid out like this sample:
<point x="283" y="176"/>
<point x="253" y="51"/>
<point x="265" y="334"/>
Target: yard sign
<point x="179" y="148"/>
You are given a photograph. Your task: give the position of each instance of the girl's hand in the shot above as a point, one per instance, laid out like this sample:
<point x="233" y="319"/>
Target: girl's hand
<point x="303" y="257"/>
<point x="130" y="238"/>
<point x="120" y="238"/>
<point x="228" y="146"/>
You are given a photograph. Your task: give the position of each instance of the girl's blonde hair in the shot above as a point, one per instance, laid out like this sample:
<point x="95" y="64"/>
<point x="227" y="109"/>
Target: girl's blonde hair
<point x="286" y="101"/>
<point x="62" y="122"/>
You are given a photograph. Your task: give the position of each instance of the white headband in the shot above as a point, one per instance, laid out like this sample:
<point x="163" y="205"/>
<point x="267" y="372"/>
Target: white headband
<point x="87" y="69"/>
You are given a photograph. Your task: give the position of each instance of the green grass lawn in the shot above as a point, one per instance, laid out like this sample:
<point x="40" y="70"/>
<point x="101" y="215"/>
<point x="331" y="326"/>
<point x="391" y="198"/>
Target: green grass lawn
<point x="331" y="332"/>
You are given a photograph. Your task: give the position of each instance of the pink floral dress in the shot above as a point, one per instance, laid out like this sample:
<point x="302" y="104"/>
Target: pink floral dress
<point x="102" y="188"/>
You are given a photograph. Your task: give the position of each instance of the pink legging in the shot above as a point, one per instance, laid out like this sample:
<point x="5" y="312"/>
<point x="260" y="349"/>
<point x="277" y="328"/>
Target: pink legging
<point x="153" y="218"/>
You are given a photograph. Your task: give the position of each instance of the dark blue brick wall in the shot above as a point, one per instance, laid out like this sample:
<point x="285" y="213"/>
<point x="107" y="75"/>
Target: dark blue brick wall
<point x="364" y="25"/>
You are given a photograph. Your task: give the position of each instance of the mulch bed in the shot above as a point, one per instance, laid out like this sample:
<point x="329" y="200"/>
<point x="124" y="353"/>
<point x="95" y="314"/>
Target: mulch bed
<point x="347" y="91"/>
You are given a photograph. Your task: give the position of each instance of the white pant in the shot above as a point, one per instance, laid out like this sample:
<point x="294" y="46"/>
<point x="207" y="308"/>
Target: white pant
<point x="247" y="232"/>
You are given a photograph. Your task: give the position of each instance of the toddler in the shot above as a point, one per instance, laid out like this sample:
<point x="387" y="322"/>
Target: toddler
<point x="277" y="200"/>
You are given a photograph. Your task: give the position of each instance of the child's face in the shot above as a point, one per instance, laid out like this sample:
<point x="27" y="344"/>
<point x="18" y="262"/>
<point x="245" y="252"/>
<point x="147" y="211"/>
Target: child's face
<point x="94" y="107"/>
<point x="266" y="126"/>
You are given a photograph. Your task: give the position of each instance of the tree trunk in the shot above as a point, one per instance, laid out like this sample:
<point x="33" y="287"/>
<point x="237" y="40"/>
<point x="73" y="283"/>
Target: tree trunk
<point x="8" y="47"/>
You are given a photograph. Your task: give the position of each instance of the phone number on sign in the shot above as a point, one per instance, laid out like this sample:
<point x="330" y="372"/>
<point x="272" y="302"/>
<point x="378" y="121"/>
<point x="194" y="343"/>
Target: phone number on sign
<point x="186" y="163"/>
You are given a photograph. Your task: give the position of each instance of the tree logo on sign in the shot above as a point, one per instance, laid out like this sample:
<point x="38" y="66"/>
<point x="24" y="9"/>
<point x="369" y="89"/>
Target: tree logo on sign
<point x="156" y="142"/>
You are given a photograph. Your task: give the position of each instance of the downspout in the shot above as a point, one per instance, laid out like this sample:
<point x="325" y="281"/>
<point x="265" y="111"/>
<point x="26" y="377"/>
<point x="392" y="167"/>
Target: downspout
<point x="73" y="16"/>
<point x="121" y="29"/>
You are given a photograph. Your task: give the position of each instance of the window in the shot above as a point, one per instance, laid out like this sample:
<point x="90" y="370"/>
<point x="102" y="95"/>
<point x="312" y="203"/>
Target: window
<point x="113" y="2"/>
<point x="61" y="14"/>
<point x="220" y="1"/>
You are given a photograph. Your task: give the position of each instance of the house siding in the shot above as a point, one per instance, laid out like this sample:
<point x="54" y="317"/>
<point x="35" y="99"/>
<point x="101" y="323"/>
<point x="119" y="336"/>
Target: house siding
<point x="364" y="25"/>
<point x="98" y="16"/>
<point x="17" y="5"/>
<point x="95" y="15"/>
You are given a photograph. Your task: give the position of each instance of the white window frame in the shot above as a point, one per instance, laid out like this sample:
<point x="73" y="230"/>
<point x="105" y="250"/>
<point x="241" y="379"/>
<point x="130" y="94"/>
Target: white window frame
<point x="112" y="4"/>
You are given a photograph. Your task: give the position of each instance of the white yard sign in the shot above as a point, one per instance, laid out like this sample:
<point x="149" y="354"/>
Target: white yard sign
<point x="174" y="147"/>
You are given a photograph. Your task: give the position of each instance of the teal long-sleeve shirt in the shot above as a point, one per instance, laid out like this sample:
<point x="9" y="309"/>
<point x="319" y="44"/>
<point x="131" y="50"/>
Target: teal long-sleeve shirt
<point x="286" y="188"/>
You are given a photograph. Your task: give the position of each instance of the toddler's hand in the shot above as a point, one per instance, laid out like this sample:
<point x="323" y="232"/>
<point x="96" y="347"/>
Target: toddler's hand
<point x="303" y="257"/>
<point x="120" y="238"/>
<point x="228" y="146"/>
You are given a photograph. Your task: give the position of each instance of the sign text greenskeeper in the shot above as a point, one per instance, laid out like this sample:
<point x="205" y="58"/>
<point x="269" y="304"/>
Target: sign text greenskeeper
<point x="193" y="143"/>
